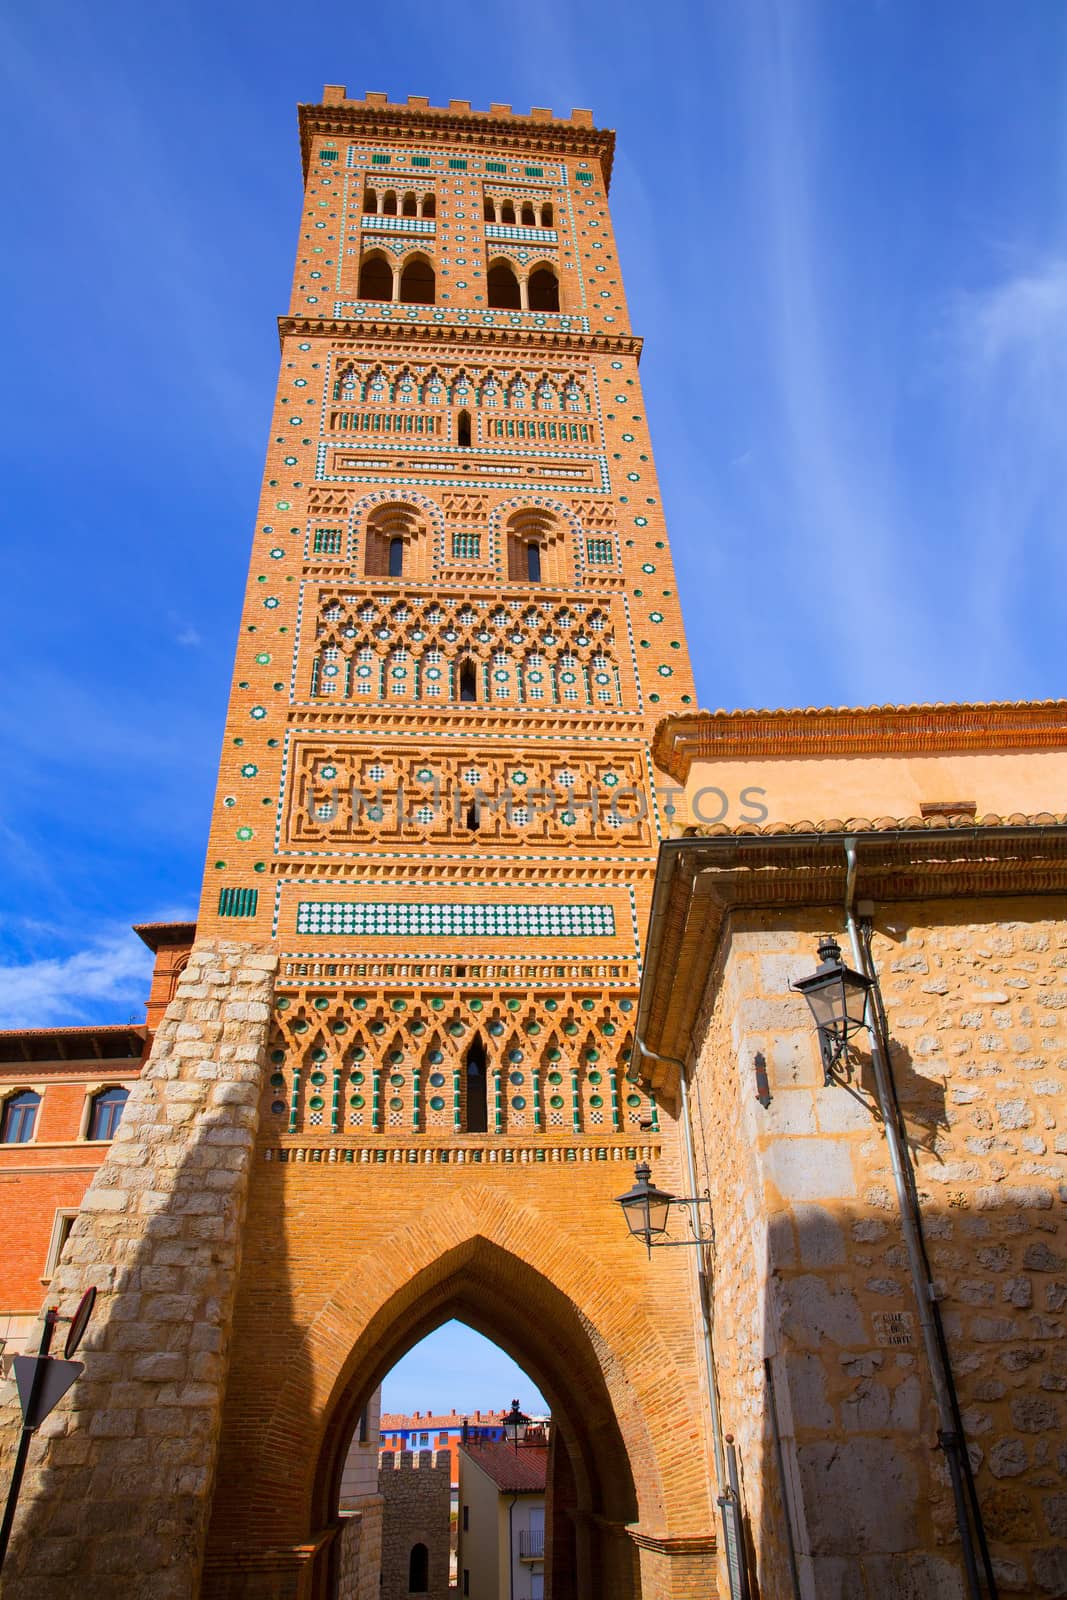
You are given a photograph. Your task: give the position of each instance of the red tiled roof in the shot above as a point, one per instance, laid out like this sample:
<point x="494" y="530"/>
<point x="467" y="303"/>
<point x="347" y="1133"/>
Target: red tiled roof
<point x="521" y="1471"/>
<point x="425" y="1422"/>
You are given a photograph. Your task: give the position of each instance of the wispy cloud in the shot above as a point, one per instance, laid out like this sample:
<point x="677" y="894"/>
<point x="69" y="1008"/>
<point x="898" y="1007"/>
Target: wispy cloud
<point x="188" y="636"/>
<point x="1018" y="328"/>
<point x="110" y="973"/>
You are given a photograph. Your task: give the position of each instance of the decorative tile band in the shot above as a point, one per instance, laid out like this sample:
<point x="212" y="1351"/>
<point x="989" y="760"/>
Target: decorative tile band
<point x="238" y="902"/>
<point x="399" y="224"/>
<point x="501" y="230"/>
<point x="449" y="1155"/>
<point x="391" y="920"/>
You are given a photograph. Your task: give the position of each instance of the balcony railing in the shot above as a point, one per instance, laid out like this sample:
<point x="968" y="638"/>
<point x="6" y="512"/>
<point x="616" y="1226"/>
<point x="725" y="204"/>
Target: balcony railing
<point x="531" y="1544"/>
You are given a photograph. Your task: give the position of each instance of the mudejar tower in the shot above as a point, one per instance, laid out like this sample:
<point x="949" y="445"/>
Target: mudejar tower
<point x="395" y="1085"/>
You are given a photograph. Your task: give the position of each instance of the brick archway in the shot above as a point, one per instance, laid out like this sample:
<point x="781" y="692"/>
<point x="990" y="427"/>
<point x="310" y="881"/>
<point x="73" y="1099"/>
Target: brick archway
<point x="557" y="1299"/>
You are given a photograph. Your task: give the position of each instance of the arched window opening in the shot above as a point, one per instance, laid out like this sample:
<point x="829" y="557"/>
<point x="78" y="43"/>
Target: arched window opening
<point x="389" y="203"/>
<point x="396" y="542"/>
<point x="429" y="205"/>
<point x="528" y="218"/>
<point x="489" y="210"/>
<point x="536" y="546"/>
<point x="410" y="207"/>
<point x="546" y="216"/>
<point x="473" y="816"/>
<point x="417" y="282"/>
<point x="468" y="682"/>
<point x="503" y="288"/>
<point x="375" y="278"/>
<point x="543" y="290"/>
<point x="507" y="212"/>
<point x="370" y="202"/>
<point x="463" y="430"/>
<point x="418" y="1570"/>
<point x="106" y="1112"/>
<point x="20" y="1114"/>
<point x="477" y="1105"/>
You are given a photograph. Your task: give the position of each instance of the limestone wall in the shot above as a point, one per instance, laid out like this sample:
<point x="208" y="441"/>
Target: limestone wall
<point x="416" y="1491"/>
<point x="118" y="1490"/>
<point x="809" y="1264"/>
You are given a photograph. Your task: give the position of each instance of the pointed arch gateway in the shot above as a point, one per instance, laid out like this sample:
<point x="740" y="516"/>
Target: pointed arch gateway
<point x="503" y="1299"/>
<point x="548" y="1283"/>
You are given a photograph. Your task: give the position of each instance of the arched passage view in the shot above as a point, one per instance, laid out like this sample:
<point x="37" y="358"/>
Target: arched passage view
<point x="449" y="1484"/>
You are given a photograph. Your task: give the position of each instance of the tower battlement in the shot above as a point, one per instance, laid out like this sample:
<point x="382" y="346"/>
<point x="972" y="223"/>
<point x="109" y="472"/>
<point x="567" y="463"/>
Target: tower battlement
<point x="374" y="115"/>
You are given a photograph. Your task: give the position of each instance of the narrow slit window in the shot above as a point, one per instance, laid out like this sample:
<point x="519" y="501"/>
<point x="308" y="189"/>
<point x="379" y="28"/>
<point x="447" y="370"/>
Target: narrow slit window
<point x="396" y="558"/>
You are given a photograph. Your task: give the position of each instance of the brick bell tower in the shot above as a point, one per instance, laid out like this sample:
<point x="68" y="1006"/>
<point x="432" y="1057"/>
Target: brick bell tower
<point x="460" y="628"/>
<point x="429" y="872"/>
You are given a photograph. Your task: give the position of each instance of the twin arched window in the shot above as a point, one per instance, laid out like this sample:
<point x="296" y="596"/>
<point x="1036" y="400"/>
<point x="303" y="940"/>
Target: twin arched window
<point x="416" y="284"/>
<point x="506" y="292"/>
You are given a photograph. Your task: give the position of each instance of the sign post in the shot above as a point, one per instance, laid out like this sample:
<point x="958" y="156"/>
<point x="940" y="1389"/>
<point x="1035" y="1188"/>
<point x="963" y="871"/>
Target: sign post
<point x="42" y="1382"/>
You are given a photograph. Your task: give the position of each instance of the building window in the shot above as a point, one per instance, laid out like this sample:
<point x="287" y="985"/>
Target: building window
<point x="396" y="558"/>
<point x="64" y="1221"/>
<point x="503" y="288"/>
<point x="533" y="562"/>
<point x="466" y="1581"/>
<point x="468" y="682"/>
<point x="375" y="279"/>
<point x="20" y="1114"/>
<point x="106" y="1112"/>
<point x="463" y="430"/>
<point x="477" y="1114"/>
<point x="417" y="282"/>
<point x="418" y="1569"/>
<point x="466" y="1518"/>
<point x="543" y="290"/>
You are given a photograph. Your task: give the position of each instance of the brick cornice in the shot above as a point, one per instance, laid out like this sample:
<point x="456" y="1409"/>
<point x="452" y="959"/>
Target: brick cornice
<point x="355" y="119"/>
<point x="460" y="335"/>
<point x="870" y="730"/>
<point x="702" y="882"/>
<point x="676" y="1545"/>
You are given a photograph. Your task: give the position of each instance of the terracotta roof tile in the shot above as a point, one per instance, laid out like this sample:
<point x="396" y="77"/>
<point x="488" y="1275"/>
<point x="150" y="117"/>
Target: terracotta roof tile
<point x="521" y="1471"/>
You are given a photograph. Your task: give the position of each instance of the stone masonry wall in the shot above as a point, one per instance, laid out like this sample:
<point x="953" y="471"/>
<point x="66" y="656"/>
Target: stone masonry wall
<point x="118" y="1489"/>
<point x="810" y="1268"/>
<point x="417" y="1492"/>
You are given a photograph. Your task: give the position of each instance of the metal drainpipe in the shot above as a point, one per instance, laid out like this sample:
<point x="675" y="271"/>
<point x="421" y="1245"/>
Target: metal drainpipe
<point x="922" y="1284"/>
<point x="703" y="1291"/>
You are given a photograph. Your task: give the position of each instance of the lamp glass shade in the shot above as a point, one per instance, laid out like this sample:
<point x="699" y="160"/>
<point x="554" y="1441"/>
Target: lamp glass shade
<point x="645" y="1207"/>
<point x="836" y="995"/>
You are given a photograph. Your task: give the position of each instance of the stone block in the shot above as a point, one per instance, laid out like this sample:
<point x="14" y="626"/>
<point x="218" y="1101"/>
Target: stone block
<point x="814" y="1310"/>
<point x="810" y="1169"/>
<point x="859" y="1496"/>
<point x="820" y="1236"/>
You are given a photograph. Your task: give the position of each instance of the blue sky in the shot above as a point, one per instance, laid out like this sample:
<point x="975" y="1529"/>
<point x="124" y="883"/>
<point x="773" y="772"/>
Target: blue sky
<point x="842" y="226"/>
<point x="455" y="1369"/>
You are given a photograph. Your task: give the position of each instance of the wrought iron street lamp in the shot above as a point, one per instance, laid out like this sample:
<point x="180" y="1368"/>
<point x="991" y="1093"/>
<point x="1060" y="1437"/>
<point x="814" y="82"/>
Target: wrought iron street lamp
<point x="647" y="1210"/>
<point x="837" y="997"/>
<point x="515" y="1424"/>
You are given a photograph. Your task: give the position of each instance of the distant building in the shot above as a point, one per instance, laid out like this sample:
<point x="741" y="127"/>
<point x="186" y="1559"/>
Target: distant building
<point x="425" y="1430"/>
<point x="501" y="1538"/>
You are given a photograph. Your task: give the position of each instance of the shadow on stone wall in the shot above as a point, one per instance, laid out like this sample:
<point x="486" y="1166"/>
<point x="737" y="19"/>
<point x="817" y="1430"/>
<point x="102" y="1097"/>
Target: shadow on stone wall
<point x="866" y="1485"/>
<point x="118" y="1489"/>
